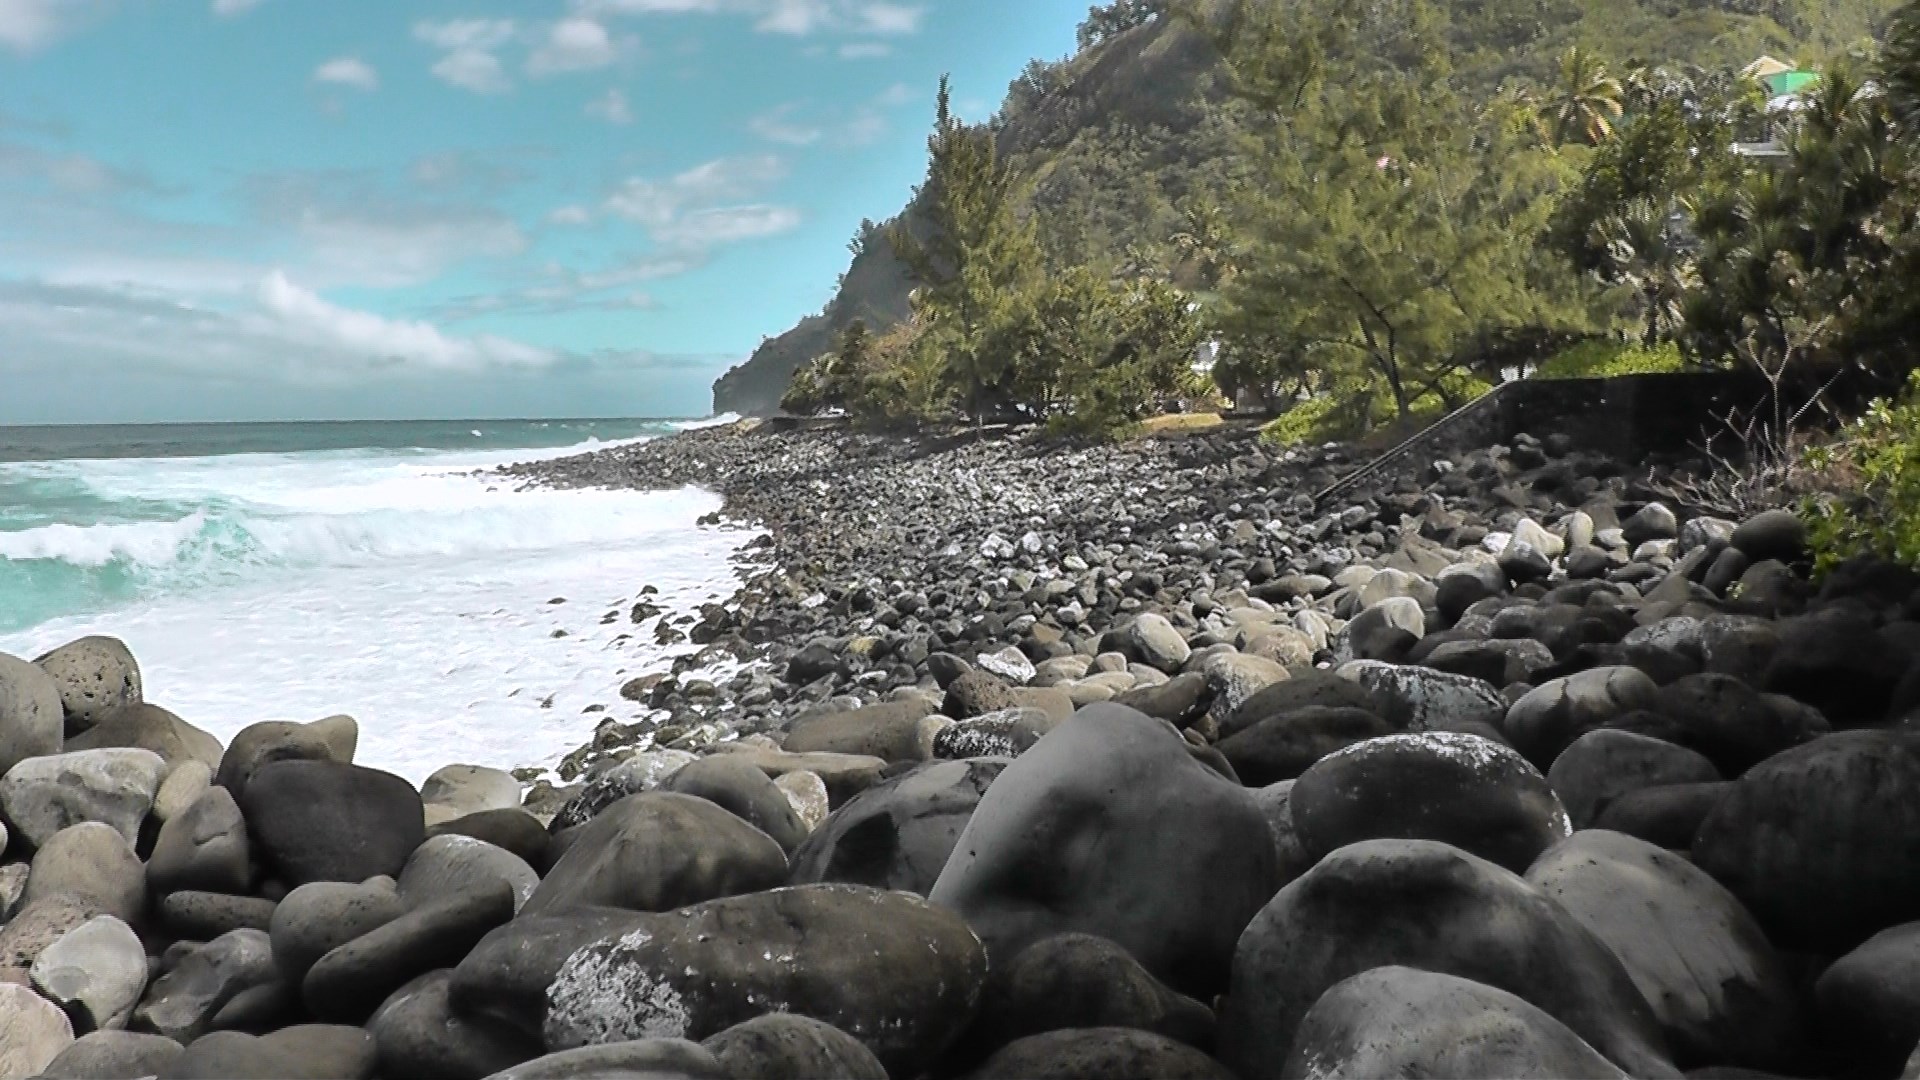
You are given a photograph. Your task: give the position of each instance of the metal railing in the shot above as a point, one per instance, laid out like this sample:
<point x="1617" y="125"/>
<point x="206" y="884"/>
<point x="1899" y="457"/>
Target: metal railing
<point x="1406" y="446"/>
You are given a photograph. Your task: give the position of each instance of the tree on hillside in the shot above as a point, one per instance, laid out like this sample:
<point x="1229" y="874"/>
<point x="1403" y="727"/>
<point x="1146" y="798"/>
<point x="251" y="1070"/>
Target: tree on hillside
<point x="977" y="254"/>
<point x="1116" y="18"/>
<point x="1392" y="222"/>
<point x="1900" y="67"/>
<point x="1584" y="103"/>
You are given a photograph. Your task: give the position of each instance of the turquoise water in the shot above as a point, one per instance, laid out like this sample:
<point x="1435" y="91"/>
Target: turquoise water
<point x="296" y="570"/>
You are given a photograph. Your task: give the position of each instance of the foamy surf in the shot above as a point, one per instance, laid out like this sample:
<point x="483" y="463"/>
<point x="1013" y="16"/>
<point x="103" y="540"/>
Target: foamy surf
<point x="408" y="588"/>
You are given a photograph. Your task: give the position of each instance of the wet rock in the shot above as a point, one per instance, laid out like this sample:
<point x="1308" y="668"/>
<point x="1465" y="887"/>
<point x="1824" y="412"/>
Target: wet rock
<point x="1721" y="993"/>
<point x="1399" y="1021"/>
<point x="658" y="851"/>
<point x="96" y="972"/>
<point x="782" y="1046"/>
<point x="1605" y="764"/>
<point x="1551" y="716"/>
<point x="327" y="821"/>
<point x="1109" y="826"/>
<point x="893" y="971"/>
<point x="1007" y="733"/>
<point x="1438" y="785"/>
<point x="899" y="833"/>
<point x="1822" y="842"/>
<point x="94" y="675"/>
<point x="641" y="772"/>
<point x="44" y="795"/>
<point x="1423" y="904"/>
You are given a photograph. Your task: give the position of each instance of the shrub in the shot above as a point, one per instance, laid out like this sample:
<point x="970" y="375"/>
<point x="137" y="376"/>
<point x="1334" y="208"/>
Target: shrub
<point x="1870" y="504"/>
<point x="1602" y="359"/>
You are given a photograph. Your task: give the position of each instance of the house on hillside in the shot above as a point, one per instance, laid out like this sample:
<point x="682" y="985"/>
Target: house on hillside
<point x="1787" y="87"/>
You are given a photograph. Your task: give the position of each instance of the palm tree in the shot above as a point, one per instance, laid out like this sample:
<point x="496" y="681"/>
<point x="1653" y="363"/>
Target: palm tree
<point x="1205" y="243"/>
<point x="1649" y="251"/>
<point x="1585" y="101"/>
<point x="1900" y="67"/>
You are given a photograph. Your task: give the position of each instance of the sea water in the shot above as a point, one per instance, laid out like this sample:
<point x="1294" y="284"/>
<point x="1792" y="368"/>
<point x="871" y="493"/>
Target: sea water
<point x="294" y="571"/>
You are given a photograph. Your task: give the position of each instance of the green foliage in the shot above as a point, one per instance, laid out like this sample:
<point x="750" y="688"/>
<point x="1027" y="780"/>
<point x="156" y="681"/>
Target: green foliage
<point x="1115" y="18"/>
<point x="1874" y="471"/>
<point x="1604" y="359"/>
<point x="1097" y="355"/>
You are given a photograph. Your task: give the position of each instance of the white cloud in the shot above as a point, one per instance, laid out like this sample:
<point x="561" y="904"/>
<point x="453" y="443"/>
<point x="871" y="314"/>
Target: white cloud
<point x="469" y="45"/>
<point x="29" y="25"/>
<point x="348" y="71"/>
<point x="382" y="341"/>
<point x="792" y="17"/>
<point x="659" y="203"/>
<point x="229" y="8"/>
<point x="780" y="126"/>
<point x="573" y="44"/>
<point x="865" y="50"/>
<point x="886" y="18"/>
<point x="865" y="123"/>
<point x="611" y="107"/>
<point x="570" y="215"/>
<point x="727" y="225"/>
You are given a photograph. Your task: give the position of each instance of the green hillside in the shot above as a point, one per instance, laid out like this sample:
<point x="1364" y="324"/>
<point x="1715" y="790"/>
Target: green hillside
<point x="1122" y="144"/>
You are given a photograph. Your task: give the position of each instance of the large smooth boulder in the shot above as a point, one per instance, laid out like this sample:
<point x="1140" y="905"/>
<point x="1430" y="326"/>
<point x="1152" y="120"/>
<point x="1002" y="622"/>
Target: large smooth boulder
<point x="270" y="741"/>
<point x="182" y="1003"/>
<point x="205" y="847"/>
<point x="658" y="851"/>
<point x="1400" y="1021"/>
<point x="96" y="972"/>
<point x="1822" y="842"/>
<point x="1088" y="1052"/>
<point x="1110" y="827"/>
<point x="503" y="980"/>
<point x="143" y="726"/>
<point x="1602" y="765"/>
<point x="636" y="1059"/>
<point x="1234" y="678"/>
<point x="1281" y="747"/>
<point x="35" y="926"/>
<point x="895" y="731"/>
<point x="899" y="833"/>
<point x="1306" y="690"/>
<point x="1547" y="720"/>
<point x="328" y="821"/>
<point x="1422" y="699"/>
<point x="43" y="795"/>
<point x="33" y="1031"/>
<point x="202" y="916"/>
<point x="1668" y="815"/>
<point x="93" y="865"/>
<point x="446" y="866"/>
<point x="741" y="788"/>
<point x="320" y="916"/>
<point x="1081" y="981"/>
<point x="454" y="791"/>
<point x="845" y="775"/>
<point x="1153" y="641"/>
<point x="114" y="1055"/>
<point x="641" y="772"/>
<point x="515" y="830"/>
<point x="1869" y="1002"/>
<point x="1836" y="660"/>
<point x="348" y="983"/>
<point x="31" y="716"/>
<point x="897" y="973"/>
<point x="1463" y="790"/>
<point x="301" y="1052"/>
<point x="782" y="1046"/>
<point x="1734" y="724"/>
<point x="419" y="1034"/>
<point x="1424" y="904"/>
<point x="1721" y="993"/>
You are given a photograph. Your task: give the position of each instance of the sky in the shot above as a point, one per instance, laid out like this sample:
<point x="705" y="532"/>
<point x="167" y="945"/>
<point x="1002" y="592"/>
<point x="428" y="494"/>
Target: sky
<point x="394" y="209"/>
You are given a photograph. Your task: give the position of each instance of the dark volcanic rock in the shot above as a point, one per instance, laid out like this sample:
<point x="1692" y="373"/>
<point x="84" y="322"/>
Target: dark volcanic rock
<point x="1110" y="827"/>
<point x="1283" y="745"/>
<point x="418" y="1034"/>
<point x="304" y="1052"/>
<point x="892" y="730"/>
<point x="1400" y="1021"/>
<point x="510" y="828"/>
<point x="1603" y="765"/>
<point x="898" y="833"/>
<point x="977" y="693"/>
<point x="1734" y="724"/>
<point x="1722" y="995"/>
<point x="205" y="848"/>
<point x="1422" y="904"/>
<point x="1822" y="842"/>
<point x="1089" y="1052"/>
<point x="1551" y="716"/>
<point x="782" y="1046"/>
<point x="639" y="1059"/>
<point x="1668" y="815"/>
<point x="504" y="979"/>
<point x="1080" y="981"/>
<point x="1435" y="785"/>
<point x="348" y="983"/>
<point x="325" y="821"/>
<point x="893" y="971"/>
<point x="657" y="851"/>
<point x="740" y="787"/>
<point x="1869" y="1001"/>
<point x="113" y="1055"/>
<point x="1835" y="660"/>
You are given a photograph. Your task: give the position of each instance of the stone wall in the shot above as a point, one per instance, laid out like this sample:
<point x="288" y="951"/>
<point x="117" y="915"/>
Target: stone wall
<point x="1629" y="417"/>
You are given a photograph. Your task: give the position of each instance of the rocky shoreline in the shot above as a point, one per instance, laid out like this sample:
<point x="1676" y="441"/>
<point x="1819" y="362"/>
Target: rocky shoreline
<point x="1048" y="761"/>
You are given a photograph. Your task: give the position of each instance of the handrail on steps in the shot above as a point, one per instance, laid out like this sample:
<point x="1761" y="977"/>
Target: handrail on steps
<point x="1400" y="450"/>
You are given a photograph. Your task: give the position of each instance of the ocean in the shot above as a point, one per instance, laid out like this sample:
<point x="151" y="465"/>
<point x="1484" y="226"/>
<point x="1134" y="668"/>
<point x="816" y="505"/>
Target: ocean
<point x="290" y="571"/>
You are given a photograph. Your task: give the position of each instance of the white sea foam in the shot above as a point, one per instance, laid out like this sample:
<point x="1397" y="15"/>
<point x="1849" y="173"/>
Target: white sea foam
<point x="398" y="587"/>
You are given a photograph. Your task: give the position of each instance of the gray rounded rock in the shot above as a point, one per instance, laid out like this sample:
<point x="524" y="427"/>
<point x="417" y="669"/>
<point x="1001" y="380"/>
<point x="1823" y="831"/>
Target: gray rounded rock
<point x="1153" y="641"/>
<point x="33" y="1031"/>
<point x="96" y="972"/>
<point x="899" y="833"/>
<point x="782" y="1046"/>
<point x="504" y="979"/>
<point x="897" y="973"/>
<point x="1103" y="1052"/>
<point x="348" y="983"/>
<point x="321" y="916"/>
<point x="895" y="731"/>
<point x="639" y="1059"/>
<point x="274" y="740"/>
<point x="181" y="1004"/>
<point x="31" y="716"/>
<point x="326" y="821"/>
<point x="114" y="1055"/>
<point x="1869" y="1000"/>
<point x="658" y="851"/>
<point x="454" y="791"/>
<point x="744" y="790"/>
<point x="94" y="865"/>
<point x="301" y="1052"/>
<point x="1109" y="826"/>
<point x="141" y="726"/>
<point x="43" y="795"/>
<point x="1422" y="699"/>
<point x="205" y="847"/>
<point x="95" y="675"/>
<point x="1400" y="1021"/>
<point x="420" y="1035"/>
<point x="1548" y="718"/>
<point x="1079" y="981"/>
<point x="446" y="866"/>
<point x="1604" y="764"/>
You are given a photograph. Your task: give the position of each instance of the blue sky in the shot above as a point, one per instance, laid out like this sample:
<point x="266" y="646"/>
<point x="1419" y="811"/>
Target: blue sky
<point x="319" y="209"/>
